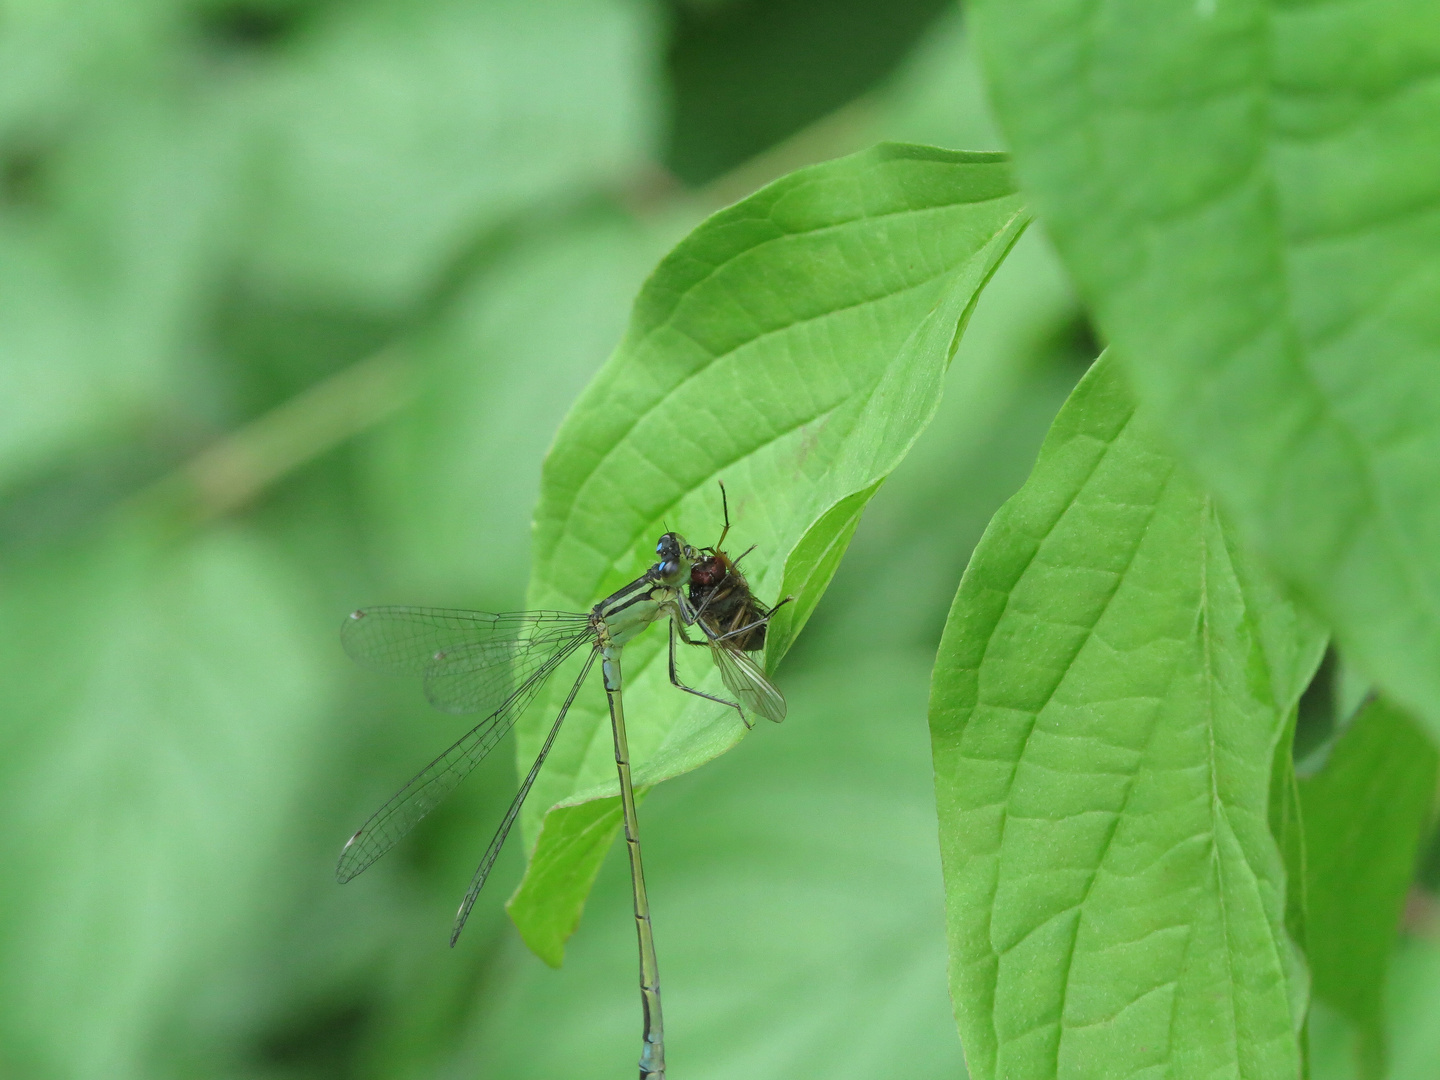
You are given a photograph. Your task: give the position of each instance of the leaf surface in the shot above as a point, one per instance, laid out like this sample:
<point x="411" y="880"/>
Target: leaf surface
<point x="1113" y="681"/>
<point x="793" y="346"/>
<point x="1248" y="195"/>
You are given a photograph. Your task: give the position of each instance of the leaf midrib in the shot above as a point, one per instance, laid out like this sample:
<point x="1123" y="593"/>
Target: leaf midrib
<point x="635" y="536"/>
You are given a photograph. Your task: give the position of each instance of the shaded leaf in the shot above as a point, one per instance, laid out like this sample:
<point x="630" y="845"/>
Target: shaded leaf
<point x="1365" y="814"/>
<point x="398" y="133"/>
<point x="1246" y="195"/>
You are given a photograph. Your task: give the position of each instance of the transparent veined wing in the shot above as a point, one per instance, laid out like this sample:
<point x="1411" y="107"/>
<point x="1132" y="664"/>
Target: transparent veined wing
<point x="487" y="862"/>
<point x="425" y="791"/>
<point x="471" y="661"/>
<point x="744" y="678"/>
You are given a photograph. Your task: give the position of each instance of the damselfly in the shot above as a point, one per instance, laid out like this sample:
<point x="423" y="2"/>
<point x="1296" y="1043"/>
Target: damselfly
<point x="475" y="661"/>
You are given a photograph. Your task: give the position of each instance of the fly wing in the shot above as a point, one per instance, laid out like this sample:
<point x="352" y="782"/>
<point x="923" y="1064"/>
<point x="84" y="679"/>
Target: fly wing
<point x="471" y="661"/>
<point x="422" y="794"/>
<point x="744" y="678"/>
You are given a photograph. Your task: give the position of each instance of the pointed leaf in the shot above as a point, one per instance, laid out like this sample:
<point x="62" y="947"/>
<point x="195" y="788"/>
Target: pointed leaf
<point x="793" y="346"/>
<point x="1111" y="686"/>
<point x="1246" y="194"/>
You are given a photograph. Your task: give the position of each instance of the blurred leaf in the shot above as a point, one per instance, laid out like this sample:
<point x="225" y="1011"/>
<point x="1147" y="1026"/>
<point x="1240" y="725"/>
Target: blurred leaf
<point x="793" y="345"/>
<point x="455" y="477"/>
<point x="1414" y="988"/>
<point x="162" y="711"/>
<point x="398" y="133"/>
<point x="63" y="58"/>
<point x="1244" y="194"/>
<point x="1110" y="689"/>
<point x="745" y="74"/>
<point x="1412" y="994"/>
<point x="1365" y="813"/>
<point x="934" y="97"/>
<point x="101" y="284"/>
<point x="937" y="96"/>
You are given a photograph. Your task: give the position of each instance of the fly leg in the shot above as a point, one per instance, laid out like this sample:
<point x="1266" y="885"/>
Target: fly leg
<point x="736" y="561"/>
<point x="690" y="615"/>
<point x="718" y="592"/>
<point x="675" y="677"/>
<point x="762" y="621"/>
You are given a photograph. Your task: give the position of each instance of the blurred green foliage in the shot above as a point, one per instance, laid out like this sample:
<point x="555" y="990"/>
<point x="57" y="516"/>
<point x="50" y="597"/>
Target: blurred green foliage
<point x="745" y="74"/>
<point x="1363" y="813"/>
<point x="294" y="295"/>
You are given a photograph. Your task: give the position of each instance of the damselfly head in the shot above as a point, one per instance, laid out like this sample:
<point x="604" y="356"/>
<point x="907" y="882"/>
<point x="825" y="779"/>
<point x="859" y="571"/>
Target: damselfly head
<point x="675" y="559"/>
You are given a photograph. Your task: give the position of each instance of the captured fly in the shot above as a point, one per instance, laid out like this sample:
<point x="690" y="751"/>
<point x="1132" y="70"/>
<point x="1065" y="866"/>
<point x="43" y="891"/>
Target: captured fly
<point x="733" y="622"/>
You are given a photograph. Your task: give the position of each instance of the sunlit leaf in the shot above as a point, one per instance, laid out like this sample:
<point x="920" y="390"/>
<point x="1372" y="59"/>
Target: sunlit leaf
<point x="1110" y="689"/>
<point x="793" y="346"/>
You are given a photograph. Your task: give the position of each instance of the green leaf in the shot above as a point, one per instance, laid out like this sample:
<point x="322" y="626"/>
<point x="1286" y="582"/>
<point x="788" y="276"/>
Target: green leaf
<point x="1112" y="684"/>
<point x="546" y="907"/>
<point x="793" y="346"/>
<point x="812" y="564"/>
<point x="1365" y="813"/>
<point x="1287" y="825"/>
<point x="1245" y="193"/>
